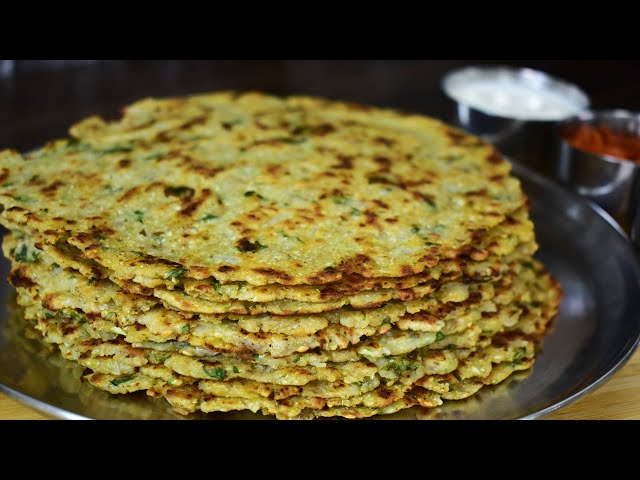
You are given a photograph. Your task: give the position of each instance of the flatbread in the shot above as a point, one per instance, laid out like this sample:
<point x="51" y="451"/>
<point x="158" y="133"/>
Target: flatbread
<point x="259" y="189"/>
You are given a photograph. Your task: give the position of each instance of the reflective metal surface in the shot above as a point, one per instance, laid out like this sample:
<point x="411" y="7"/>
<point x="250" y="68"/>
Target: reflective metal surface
<point x="530" y="142"/>
<point x="596" y="331"/>
<point x="609" y="181"/>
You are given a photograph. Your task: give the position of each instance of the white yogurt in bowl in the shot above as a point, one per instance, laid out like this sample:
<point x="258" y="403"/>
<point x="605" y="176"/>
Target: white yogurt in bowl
<point x="515" y="109"/>
<point x="521" y="94"/>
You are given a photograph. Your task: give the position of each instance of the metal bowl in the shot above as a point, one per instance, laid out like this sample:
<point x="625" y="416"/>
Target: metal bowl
<point x="529" y="141"/>
<point x="611" y="182"/>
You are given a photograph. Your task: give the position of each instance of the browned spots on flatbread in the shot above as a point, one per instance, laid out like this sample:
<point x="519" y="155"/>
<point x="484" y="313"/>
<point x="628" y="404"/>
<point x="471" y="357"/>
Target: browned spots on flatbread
<point x="192" y="205"/>
<point x="495" y="157"/>
<point x="425" y="197"/>
<point x="129" y="194"/>
<point x="48" y="301"/>
<point x="83" y="238"/>
<point x="205" y="170"/>
<point x="133" y="352"/>
<point x="476" y="193"/>
<point x="90" y="248"/>
<point x="325" y="276"/>
<point x="371" y="218"/>
<point x="51" y="189"/>
<point x="246" y="245"/>
<point x="344" y="162"/>
<point x="455" y="136"/>
<point x="406" y="270"/>
<point x="152" y="260"/>
<point x="197" y="269"/>
<point x="381" y="204"/>
<point x="201" y="120"/>
<point x="226" y="268"/>
<point x="273" y="273"/>
<point x="20" y="278"/>
<point x="101" y="232"/>
<point x="405" y="295"/>
<point x="429" y="260"/>
<point x="274" y="169"/>
<point x="323" y="129"/>
<point x="124" y="163"/>
<point x="360" y="264"/>
<point x="4" y="174"/>
<point x="384" y="164"/>
<point x="387" y="142"/>
<point x="473" y="252"/>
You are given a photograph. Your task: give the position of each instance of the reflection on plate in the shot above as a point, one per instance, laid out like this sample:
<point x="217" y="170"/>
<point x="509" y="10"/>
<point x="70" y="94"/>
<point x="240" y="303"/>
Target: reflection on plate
<point x="596" y="331"/>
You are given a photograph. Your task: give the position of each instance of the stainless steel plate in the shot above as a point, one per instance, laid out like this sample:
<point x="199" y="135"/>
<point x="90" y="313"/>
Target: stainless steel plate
<point x="596" y="331"/>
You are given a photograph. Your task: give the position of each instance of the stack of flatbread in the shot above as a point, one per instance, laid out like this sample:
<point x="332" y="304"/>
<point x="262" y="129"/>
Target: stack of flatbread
<point x="292" y="256"/>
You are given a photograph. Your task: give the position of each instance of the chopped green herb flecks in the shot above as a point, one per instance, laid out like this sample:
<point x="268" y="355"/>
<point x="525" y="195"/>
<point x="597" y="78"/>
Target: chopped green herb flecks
<point x="415" y="229"/>
<point x="235" y="369"/>
<point x="117" y="381"/>
<point x="176" y="273"/>
<point x="116" y="149"/>
<point x="159" y="357"/>
<point x="430" y="202"/>
<point x="79" y="317"/>
<point x="355" y="212"/>
<point x="287" y="236"/>
<point x="23" y="199"/>
<point x="216" y="286"/>
<point x="185" y="328"/>
<point x="22" y="255"/>
<point x="208" y="217"/>
<point x="519" y="355"/>
<point x="439" y="336"/>
<point x="227" y="125"/>
<point x="139" y="216"/>
<point x="217" y="373"/>
<point x="255" y="355"/>
<point x="400" y="366"/>
<point x="181" y="192"/>
<point x="293" y="140"/>
<point x="153" y="156"/>
<point x="451" y="158"/>
<point x="431" y="244"/>
<point x="49" y="314"/>
<point x="252" y="193"/>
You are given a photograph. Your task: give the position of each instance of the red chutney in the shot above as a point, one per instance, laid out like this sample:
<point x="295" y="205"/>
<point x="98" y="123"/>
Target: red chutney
<point x="600" y="139"/>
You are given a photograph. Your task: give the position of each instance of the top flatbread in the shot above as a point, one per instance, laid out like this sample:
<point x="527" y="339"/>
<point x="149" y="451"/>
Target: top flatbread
<point x="260" y="189"/>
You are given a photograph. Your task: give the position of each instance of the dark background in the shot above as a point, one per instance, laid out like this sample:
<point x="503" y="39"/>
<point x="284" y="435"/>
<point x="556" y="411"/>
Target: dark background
<point x="40" y="99"/>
